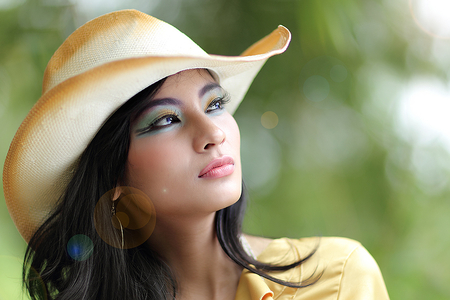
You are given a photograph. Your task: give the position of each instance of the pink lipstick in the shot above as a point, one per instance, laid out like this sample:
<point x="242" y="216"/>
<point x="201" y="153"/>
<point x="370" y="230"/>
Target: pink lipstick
<point x="219" y="167"/>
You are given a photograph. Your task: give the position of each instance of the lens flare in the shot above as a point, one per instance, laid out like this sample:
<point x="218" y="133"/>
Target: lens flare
<point x="338" y="73"/>
<point x="432" y="16"/>
<point x="324" y="81"/>
<point x="316" y="88"/>
<point x="130" y="223"/>
<point x="80" y="247"/>
<point x="269" y="120"/>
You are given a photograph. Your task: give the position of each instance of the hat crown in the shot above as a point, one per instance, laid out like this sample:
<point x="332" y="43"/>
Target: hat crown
<point x="116" y="36"/>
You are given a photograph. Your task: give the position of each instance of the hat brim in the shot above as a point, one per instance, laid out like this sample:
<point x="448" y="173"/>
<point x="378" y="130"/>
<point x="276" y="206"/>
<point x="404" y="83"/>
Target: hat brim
<point x="44" y="152"/>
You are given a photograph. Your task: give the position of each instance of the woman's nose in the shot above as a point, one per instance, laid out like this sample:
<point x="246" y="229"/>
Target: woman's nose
<point x="207" y="135"/>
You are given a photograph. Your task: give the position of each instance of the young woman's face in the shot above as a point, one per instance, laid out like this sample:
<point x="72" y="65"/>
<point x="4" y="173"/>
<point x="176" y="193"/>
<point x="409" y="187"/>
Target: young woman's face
<point x="185" y="148"/>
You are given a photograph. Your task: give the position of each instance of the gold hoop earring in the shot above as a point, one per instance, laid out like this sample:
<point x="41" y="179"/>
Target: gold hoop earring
<point x="113" y="214"/>
<point x="131" y="210"/>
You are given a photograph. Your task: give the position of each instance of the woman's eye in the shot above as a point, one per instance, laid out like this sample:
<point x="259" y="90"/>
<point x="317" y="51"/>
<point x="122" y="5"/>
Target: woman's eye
<point x="165" y="121"/>
<point x="160" y="123"/>
<point x="217" y="104"/>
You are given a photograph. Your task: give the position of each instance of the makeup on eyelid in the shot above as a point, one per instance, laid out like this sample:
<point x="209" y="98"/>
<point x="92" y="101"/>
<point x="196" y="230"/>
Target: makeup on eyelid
<point x="221" y="97"/>
<point x="211" y="95"/>
<point x="159" y="113"/>
<point x="153" y="116"/>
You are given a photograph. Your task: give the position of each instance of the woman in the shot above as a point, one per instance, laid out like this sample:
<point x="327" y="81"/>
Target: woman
<point x="125" y="178"/>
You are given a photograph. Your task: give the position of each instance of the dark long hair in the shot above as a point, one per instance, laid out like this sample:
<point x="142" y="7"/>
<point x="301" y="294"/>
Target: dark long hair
<point x="107" y="272"/>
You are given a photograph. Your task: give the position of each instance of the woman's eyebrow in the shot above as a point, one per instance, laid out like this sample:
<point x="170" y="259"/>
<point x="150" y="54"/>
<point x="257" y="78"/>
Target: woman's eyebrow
<point x="177" y="102"/>
<point x="164" y="101"/>
<point x="207" y="88"/>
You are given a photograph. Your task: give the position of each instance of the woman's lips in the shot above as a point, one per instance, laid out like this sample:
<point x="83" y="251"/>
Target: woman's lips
<point x="219" y="167"/>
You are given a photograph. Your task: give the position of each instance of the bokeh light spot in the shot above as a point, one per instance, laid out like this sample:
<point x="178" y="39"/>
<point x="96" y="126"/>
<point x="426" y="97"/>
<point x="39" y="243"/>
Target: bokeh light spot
<point x="338" y="73"/>
<point x="269" y="119"/>
<point x="123" y="218"/>
<point x="80" y="247"/>
<point x="133" y="221"/>
<point x="316" y="88"/>
<point x="36" y="280"/>
<point x="432" y="16"/>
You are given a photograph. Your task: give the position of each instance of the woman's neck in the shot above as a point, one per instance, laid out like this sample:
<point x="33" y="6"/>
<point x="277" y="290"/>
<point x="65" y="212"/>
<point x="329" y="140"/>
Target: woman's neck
<point x="192" y="250"/>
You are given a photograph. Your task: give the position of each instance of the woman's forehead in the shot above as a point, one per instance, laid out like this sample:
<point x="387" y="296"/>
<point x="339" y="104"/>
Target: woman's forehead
<point x="205" y="73"/>
<point x="180" y="81"/>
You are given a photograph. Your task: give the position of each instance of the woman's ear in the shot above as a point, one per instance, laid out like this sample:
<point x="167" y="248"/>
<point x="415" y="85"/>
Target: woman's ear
<point x="117" y="192"/>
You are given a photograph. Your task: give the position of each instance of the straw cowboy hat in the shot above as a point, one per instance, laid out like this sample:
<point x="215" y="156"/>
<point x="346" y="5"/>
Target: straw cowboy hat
<point x="98" y="68"/>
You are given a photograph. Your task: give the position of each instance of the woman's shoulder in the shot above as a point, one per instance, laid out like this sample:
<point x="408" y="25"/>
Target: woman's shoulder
<point x="324" y="246"/>
<point x="343" y="268"/>
<point x="255" y="244"/>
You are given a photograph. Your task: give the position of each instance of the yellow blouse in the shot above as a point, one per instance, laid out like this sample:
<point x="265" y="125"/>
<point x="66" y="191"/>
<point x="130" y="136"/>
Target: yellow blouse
<point x="349" y="272"/>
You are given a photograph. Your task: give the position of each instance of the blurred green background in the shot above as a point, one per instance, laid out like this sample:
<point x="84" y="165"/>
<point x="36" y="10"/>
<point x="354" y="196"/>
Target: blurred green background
<point x="356" y="142"/>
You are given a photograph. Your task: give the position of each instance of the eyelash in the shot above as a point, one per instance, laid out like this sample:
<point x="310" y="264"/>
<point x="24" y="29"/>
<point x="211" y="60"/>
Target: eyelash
<point x="219" y="100"/>
<point x="151" y="127"/>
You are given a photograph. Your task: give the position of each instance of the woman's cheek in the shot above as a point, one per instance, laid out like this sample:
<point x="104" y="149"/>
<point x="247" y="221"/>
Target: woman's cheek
<point x="148" y="152"/>
<point x="154" y="163"/>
